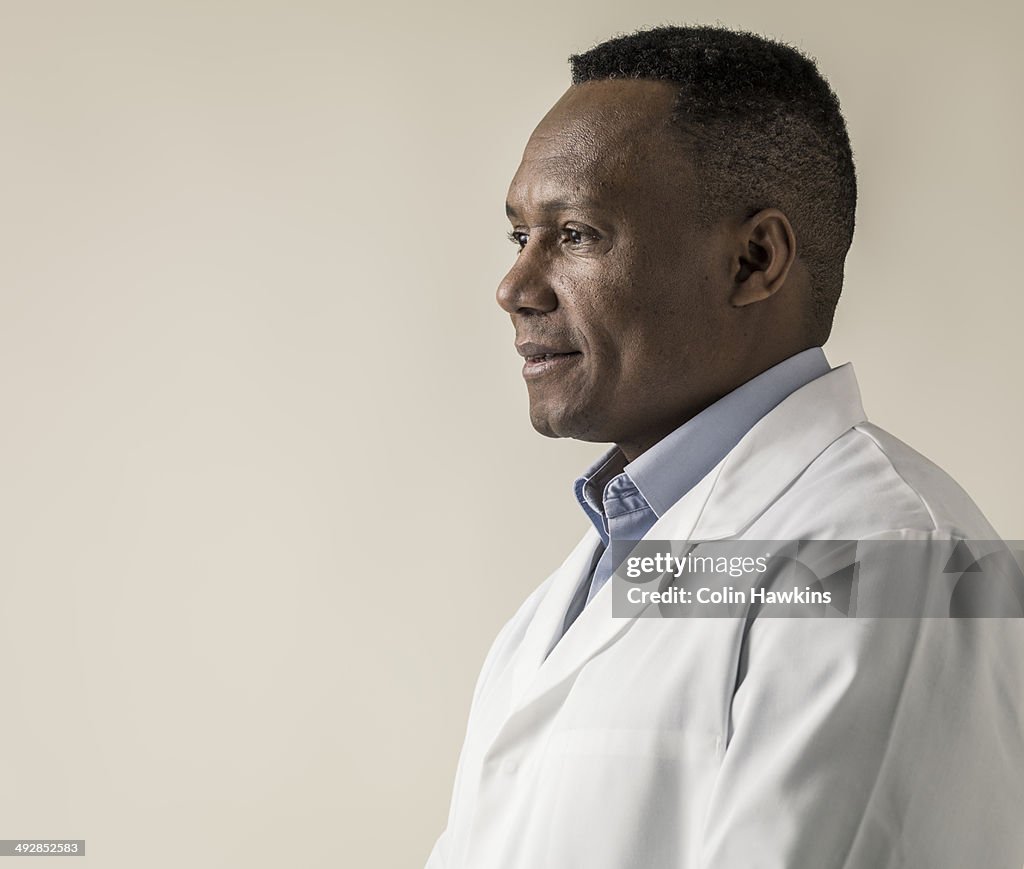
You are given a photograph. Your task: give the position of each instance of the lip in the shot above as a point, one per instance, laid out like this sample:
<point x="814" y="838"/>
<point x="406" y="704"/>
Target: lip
<point x="544" y="358"/>
<point x="531" y="349"/>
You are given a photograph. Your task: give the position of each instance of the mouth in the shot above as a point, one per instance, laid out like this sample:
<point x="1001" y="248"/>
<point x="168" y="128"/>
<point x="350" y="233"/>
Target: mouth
<point x="541" y="359"/>
<point x="538" y="365"/>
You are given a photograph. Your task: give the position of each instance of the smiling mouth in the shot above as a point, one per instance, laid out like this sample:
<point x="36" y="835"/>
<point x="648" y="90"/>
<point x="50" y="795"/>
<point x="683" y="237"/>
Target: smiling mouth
<point x="543" y="356"/>
<point x="545" y="362"/>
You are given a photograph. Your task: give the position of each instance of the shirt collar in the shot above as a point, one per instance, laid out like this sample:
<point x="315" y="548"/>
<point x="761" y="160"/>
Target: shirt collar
<point x="590" y="487"/>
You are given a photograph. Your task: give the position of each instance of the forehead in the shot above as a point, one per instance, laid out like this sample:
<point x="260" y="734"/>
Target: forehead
<point x="605" y="141"/>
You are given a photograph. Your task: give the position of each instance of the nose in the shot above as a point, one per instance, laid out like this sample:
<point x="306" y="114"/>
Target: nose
<point x="527" y="289"/>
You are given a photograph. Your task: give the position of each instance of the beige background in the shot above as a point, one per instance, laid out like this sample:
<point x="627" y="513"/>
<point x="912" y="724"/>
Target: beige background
<point x="268" y="487"/>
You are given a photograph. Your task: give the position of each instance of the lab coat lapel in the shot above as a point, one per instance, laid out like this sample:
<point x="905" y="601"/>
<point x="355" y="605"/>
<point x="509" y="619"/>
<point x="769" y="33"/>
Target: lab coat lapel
<point x="596" y="628"/>
<point x="546" y="626"/>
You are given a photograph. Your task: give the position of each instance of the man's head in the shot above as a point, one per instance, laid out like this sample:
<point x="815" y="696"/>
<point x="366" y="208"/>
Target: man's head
<point x="683" y="213"/>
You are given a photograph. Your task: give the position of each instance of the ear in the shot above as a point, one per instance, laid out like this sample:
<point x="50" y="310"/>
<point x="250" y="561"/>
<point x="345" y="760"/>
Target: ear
<point x="767" y="251"/>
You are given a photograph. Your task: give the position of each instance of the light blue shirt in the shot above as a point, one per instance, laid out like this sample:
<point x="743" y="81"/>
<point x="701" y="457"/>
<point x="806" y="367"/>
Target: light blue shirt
<point x="623" y="501"/>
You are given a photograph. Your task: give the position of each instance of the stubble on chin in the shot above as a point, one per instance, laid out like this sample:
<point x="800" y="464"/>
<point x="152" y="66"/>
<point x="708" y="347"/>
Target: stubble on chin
<point x="563" y="421"/>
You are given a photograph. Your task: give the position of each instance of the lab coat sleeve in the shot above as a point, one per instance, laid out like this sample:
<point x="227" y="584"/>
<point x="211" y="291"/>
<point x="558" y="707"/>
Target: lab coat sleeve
<point x="872" y="743"/>
<point x="439" y="856"/>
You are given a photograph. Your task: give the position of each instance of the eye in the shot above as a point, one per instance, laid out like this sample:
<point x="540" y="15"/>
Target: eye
<point x="518" y="238"/>
<point x="579" y="236"/>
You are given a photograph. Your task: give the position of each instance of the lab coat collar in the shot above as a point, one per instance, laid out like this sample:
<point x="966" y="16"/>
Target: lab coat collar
<point x="771" y="455"/>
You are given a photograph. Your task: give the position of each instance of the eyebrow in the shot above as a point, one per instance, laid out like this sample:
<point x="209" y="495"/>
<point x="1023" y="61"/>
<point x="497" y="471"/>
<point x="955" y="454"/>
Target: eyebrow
<point x="553" y="205"/>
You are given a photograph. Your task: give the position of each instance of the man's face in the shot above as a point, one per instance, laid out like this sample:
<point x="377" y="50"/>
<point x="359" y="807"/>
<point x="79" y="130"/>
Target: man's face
<point x="618" y="296"/>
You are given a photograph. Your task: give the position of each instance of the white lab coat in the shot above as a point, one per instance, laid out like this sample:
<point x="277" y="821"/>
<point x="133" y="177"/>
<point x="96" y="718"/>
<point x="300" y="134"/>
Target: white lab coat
<point x="800" y="743"/>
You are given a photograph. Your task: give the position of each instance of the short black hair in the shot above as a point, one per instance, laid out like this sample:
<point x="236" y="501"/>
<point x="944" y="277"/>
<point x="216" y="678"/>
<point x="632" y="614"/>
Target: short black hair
<point x="764" y="130"/>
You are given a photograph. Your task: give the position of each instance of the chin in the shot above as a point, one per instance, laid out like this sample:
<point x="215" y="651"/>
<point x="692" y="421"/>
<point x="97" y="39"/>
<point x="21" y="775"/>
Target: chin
<point x="542" y="425"/>
<point x="565" y="423"/>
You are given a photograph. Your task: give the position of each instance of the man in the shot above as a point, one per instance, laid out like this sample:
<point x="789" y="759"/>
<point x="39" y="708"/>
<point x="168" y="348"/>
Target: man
<point x="682" y="216"/>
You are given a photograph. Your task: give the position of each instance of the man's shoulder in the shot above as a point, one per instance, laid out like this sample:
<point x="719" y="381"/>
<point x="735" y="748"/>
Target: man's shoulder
<point x="869" y="482"/>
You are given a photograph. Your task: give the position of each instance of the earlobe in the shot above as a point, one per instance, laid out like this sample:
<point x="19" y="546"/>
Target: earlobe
<point x="768" y="246"/>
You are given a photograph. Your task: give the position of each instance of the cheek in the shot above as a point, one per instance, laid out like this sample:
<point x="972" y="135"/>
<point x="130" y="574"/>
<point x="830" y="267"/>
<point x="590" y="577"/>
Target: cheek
<point x="635" y="318"/>
<point x="659" y="344"/>
<point x="621" y="357"/>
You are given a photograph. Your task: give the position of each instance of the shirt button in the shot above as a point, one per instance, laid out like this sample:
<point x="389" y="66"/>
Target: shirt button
<point x="509" y="767"/>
